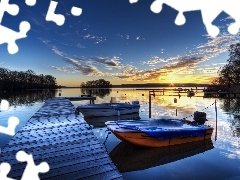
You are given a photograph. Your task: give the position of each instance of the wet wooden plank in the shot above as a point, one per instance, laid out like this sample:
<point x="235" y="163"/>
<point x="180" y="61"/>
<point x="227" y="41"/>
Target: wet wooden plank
<point x="63" y="139"/>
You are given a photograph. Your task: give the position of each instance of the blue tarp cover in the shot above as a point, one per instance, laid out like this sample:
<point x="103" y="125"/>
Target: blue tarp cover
<point x="165" y="128"/>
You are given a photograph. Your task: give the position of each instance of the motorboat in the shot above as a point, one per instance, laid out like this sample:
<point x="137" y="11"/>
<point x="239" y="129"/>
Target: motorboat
<point x="100" y="121"/>
<point x="161" y="132"/>
<point x="109" y="109"/>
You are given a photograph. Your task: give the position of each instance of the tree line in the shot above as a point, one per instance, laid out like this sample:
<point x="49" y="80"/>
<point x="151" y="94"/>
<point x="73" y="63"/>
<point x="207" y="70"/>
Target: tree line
<point x="10" y="80"/>
<point x="100" y="83"/>
<point x="229" y="74"/>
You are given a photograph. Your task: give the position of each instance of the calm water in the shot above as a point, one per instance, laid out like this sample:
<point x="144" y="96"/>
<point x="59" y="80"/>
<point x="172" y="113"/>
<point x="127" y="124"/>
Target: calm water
<point x="218" y="159"/>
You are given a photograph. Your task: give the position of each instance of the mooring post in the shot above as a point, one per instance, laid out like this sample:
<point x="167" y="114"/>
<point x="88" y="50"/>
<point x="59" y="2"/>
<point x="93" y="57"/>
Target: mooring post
<point x="176" y="112"/>
<point x="149" y="94"/>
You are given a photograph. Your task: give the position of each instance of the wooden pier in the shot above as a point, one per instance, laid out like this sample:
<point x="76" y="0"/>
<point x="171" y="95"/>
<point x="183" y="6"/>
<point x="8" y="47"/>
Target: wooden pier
<point x="57" y="135"/>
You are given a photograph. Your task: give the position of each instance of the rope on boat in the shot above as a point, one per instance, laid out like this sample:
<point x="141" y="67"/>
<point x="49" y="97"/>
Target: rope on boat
<point x="202" y="110"/>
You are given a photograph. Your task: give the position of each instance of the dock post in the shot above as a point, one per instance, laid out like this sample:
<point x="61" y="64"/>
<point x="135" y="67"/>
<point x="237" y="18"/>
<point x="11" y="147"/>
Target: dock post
<point x="150" y="105"/>
<point x="163" y="92"/>
<point x="91" y="101"/>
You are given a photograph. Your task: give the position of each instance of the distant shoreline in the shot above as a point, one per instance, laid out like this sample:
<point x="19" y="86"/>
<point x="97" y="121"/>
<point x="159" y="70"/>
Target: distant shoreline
<point x="156" y="85"/>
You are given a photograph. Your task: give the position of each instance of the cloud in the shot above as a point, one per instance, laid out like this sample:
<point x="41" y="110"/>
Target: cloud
<point x="155" y="60"/>
<point x="182" y="63"/>
<point x="56" y="51"/>
<point x="83" y="69"/>
<point x="113" y="62"/>
<point x="96" y="39"/>
<point x="139" y="38"/>
<point x="74" y="66"/>
<point x="62" y="69"/>
<point x="127" y="37"/>
<point x="80" y="46"/>
<point x="88" y="66"/>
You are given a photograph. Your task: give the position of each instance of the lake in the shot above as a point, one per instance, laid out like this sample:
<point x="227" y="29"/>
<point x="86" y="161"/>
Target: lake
<point x="215" y="159"/>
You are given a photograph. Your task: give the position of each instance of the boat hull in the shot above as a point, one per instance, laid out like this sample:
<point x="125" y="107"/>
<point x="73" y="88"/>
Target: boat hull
<point x="143" y="139"/>
<point x="108" y="112"/>
<point x="108" y="109"/>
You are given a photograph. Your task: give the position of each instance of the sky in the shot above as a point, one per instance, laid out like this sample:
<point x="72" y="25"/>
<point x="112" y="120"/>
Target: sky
<point x="119" y="41"/>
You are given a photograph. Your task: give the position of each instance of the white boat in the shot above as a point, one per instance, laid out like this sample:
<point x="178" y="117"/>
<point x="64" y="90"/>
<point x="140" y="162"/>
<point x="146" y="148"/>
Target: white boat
<point x="109" y="109"/>
<point x="100" y="120"/>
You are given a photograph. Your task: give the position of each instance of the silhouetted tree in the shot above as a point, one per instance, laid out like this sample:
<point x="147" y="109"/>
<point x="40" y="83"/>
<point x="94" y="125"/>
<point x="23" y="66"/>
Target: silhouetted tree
<point x="100" y="83"/>
<point x="230" y="73"/>
<point x="25" y="80"/>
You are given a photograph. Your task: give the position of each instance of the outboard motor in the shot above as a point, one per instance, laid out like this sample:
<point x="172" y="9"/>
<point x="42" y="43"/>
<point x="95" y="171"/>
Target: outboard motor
<point x="199" y="117"/>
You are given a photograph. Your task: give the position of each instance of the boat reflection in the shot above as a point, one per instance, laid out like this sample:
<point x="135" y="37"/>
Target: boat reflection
<point x="100" y="121"/>
<point x="128" y="157"/>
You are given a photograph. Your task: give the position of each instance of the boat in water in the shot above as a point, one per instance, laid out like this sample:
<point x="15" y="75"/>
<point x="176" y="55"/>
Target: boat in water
<point x="161" y="132"/>
<point x="100" y="121"/>
<point x="109" y="109"/>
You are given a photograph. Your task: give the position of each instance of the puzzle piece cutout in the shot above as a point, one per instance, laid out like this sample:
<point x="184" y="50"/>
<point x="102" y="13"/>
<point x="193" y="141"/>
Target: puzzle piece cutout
<point x="4" y="105"/>
<point x="12" y="124"/>
<point x="30" y="2"/>
<point x="12" y="121"/>
<point x="4" y="170"/>
<point x="59" y="19"/>
<point x="209" y="10"/>
<point x="133" y="1"/>
<point x="8" y="35"/>
<point x="31" y="169"/>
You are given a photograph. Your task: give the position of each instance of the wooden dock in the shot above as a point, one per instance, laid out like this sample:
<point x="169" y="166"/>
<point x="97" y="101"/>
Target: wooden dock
<point x="57" y="135"/>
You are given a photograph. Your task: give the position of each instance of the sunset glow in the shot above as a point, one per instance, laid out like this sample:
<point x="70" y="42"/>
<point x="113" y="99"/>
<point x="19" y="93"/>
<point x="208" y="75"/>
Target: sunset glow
<point x="121" y="42"/>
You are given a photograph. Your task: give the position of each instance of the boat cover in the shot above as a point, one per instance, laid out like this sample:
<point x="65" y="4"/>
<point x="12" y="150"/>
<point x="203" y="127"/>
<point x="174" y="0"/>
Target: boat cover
<point x="165" y="128"/>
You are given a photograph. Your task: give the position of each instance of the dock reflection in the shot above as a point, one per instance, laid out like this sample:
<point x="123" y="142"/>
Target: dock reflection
<point x="128" y="157"/>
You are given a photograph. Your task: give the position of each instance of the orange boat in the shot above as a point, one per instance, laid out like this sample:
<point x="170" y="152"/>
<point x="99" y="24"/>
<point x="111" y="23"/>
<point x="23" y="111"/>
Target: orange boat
<point x="159" y="132"/>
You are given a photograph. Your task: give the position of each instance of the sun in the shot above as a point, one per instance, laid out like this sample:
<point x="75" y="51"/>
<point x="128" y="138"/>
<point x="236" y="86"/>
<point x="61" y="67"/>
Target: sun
<point x="172" y="78"/>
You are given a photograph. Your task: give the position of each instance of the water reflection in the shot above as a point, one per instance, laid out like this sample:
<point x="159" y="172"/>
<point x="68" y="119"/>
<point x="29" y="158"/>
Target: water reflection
<point x="100" y="92"/>
<point x="231" y="106"/>
<point x="128" y="157"/>
<point x="219" y="163"/>
<point x="27" y="97"/>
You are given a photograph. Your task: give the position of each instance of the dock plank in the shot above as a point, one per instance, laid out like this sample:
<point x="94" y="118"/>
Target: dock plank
<point x="63" y="139"/>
